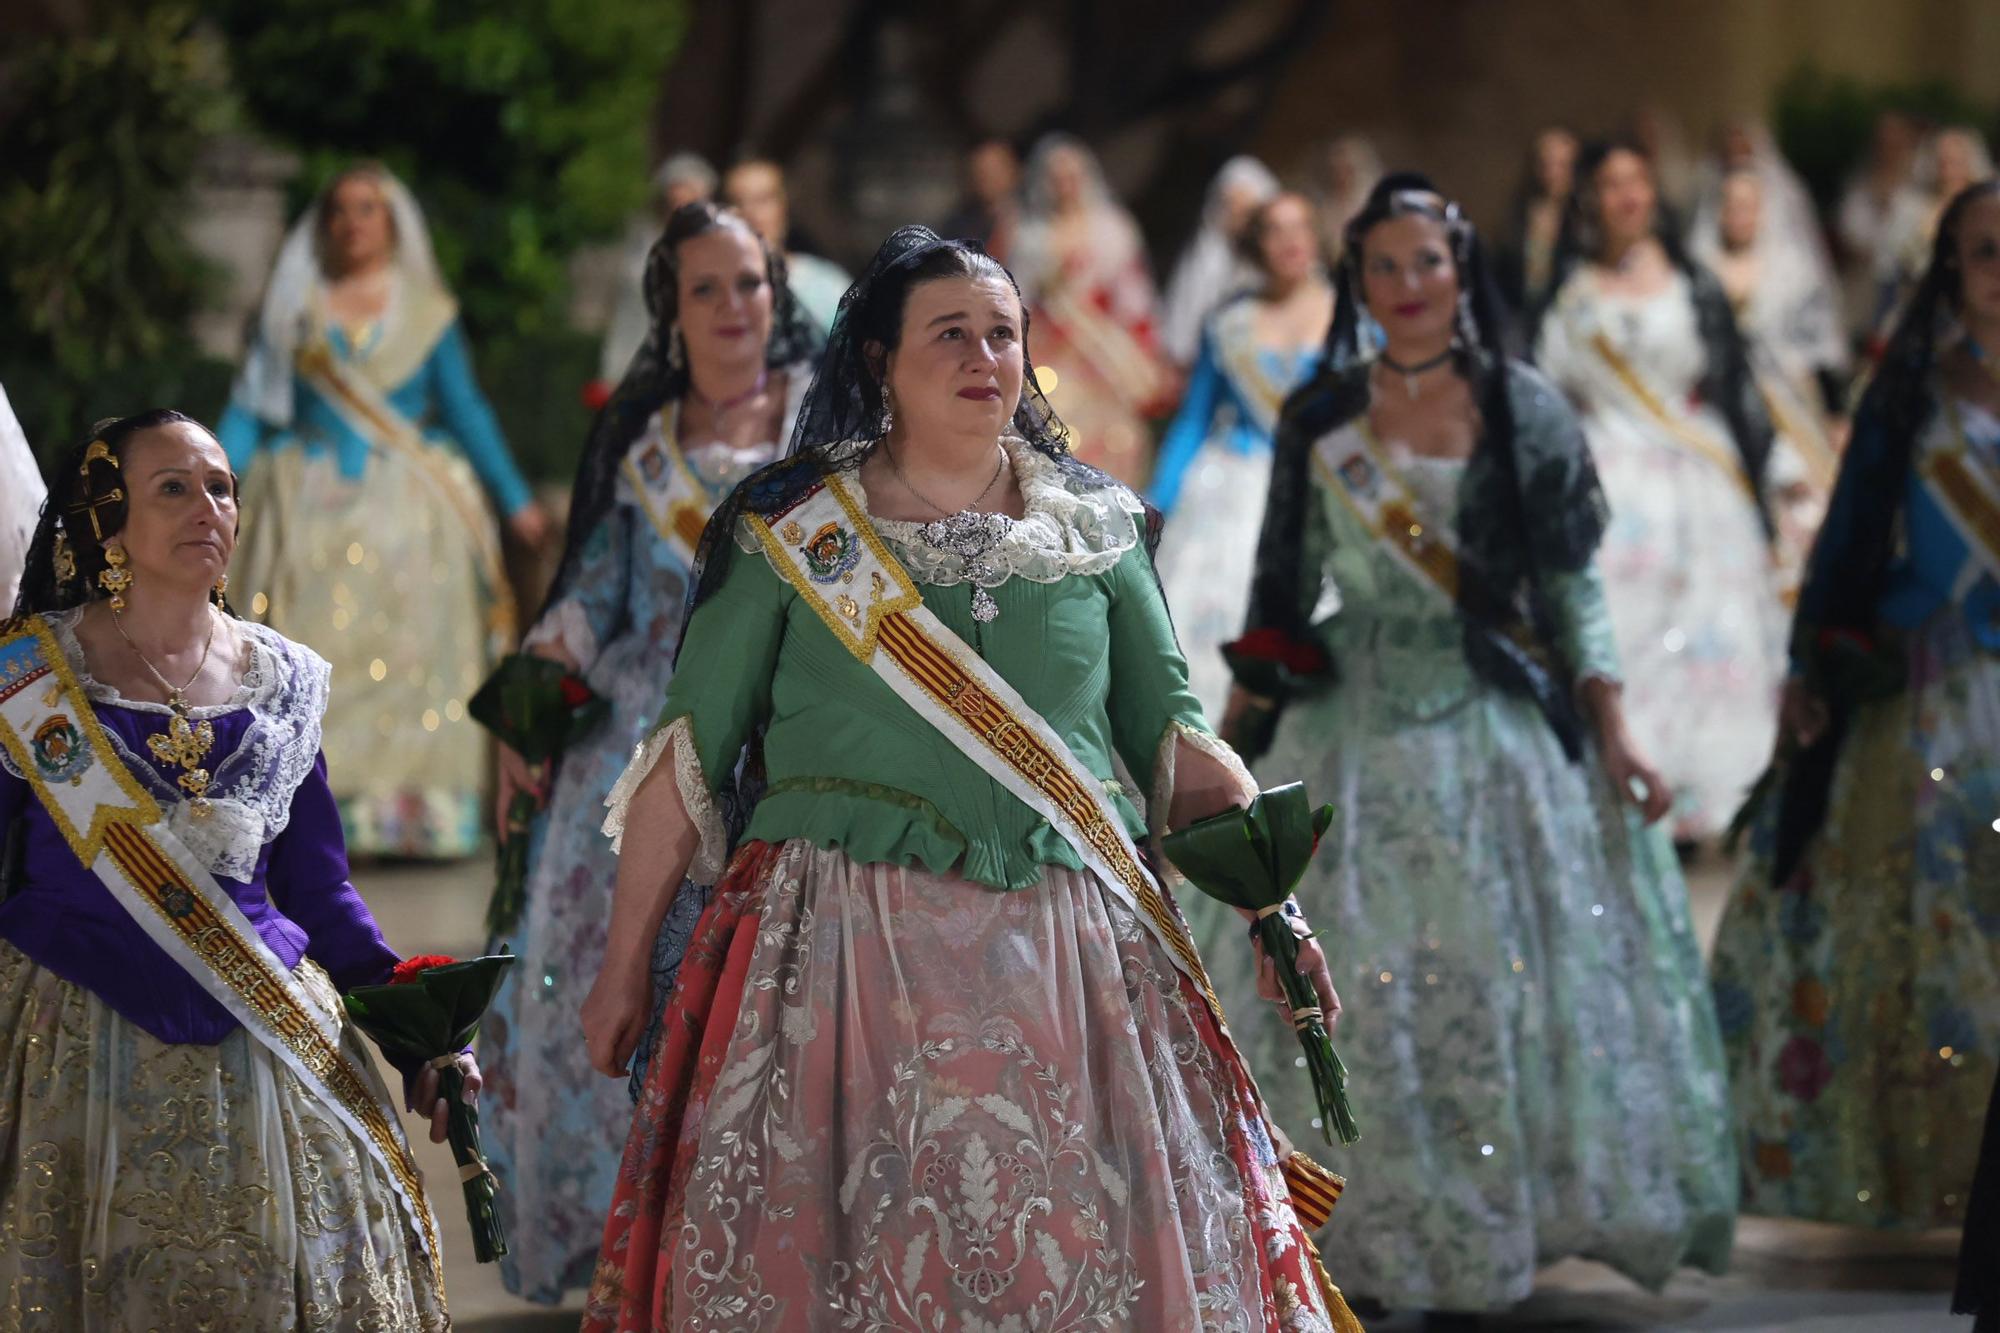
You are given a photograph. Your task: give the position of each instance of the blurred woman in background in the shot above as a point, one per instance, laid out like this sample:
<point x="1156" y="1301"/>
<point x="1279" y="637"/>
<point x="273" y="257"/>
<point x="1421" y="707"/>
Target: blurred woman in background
<point x="1787" y="309"/>
<point x="1215" y="459"/>
<point x="1339" y="175"/>
<point x="1214" y="267"/>
<point x="364" y="443"/>
<point x="1527" y="260"/>
<point x="1644" y="343"/>
<point x="1083" y="271"/>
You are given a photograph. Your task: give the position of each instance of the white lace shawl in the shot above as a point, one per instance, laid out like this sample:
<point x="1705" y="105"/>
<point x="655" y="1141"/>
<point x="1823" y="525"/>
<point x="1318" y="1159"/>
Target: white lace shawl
<point x="1071" y="526"/>
<point x="250" y="793"/>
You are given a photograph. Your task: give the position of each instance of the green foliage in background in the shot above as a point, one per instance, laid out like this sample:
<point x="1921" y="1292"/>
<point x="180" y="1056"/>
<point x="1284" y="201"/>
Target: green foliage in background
<point x="520" y="124"/>
<point x="100" y="281"/>
<point x="1823" y="122"/>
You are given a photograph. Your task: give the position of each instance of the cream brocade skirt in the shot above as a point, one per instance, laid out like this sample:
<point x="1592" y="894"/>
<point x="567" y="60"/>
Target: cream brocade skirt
<point x="150" y="1186"/>
<point x="380" y="575"/>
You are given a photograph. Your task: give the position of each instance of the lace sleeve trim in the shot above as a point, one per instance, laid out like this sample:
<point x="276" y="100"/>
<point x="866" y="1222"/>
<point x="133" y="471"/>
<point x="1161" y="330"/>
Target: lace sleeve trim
<point x="712" y="850"/>
<point x="1165" y="763"/>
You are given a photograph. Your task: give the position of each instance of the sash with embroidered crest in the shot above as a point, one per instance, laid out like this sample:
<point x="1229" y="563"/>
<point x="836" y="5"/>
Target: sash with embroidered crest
<point x="675" y="501"/>
<point x="367" y="411"/>
<point x="1352" y="465"/>
<point x="1967" y="488"/>
<point x="1622" y="380"/>
<point x="827" y="550"/>
<point x="51" y="734"/>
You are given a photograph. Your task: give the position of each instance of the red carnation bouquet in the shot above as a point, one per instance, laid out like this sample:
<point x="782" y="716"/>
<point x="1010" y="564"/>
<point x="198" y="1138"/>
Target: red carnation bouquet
<point x="540" y="709"/>
<point x="426" y="1014"/>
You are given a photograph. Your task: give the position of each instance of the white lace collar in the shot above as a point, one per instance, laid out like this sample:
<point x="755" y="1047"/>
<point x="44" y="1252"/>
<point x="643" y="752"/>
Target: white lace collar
<point x="1072" y="524"/>
<point x="257" y="683"/>
<point x="250" y="793"/>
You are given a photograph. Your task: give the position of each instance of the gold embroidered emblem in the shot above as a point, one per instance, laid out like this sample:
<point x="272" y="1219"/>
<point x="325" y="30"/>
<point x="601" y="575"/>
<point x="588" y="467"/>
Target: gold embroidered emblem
<point x="848" y="607"/>
<point x="185" y="744"/>
<point x="792" y="533"/>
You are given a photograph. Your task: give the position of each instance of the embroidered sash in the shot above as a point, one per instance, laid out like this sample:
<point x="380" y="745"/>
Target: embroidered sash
<point x="1247" y="363"/>
<point x="1794" y="420"/>
<point x="827" y="550"/>
<point x="674" y="499"/>
<point x="367" y="411"/>
<point x="1353" y="466"/>
<point x="52" y="735"/>
<point x="1967" y="488"/>
<point x="1627" y="383"/>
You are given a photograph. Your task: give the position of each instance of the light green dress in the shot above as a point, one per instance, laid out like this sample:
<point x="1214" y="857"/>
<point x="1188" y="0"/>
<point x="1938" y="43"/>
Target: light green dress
<point x="1533" y="1055"/>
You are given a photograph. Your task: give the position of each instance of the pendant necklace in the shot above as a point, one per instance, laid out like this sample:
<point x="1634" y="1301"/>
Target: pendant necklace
<point x="720" y="408"/>
<point x="185" y="743"/>
<point x="1411" y="374"/>
<point x="968" y="534"/>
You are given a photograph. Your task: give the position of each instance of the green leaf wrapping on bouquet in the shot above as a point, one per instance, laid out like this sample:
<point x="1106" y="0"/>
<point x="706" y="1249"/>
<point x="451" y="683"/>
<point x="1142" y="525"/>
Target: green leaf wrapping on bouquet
<point x="539" y="708"/>
<point x="1252" y="859"/>
<point x="427" y="1020"/>
<point x="536" y="706"/>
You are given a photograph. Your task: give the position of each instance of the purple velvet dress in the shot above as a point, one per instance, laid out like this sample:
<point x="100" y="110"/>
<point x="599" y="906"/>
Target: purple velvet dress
<point x="147" y="1139"/>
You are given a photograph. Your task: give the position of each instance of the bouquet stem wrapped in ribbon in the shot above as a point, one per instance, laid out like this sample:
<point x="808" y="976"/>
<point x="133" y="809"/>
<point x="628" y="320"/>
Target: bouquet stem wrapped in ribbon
<point x="539" y="708"/>
<point x="426" y="1014"/>
<point x="1252" y="859"/>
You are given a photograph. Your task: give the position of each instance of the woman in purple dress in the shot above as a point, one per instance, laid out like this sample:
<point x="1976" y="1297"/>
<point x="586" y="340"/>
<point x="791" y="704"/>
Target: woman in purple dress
<point x="190" y="1134"/>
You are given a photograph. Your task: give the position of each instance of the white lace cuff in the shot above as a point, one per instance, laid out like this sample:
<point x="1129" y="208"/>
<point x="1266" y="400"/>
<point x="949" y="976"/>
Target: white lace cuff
<point x="712" y="850"/>
<point x="567" y="627"/>
<point x="1161" y="799"/>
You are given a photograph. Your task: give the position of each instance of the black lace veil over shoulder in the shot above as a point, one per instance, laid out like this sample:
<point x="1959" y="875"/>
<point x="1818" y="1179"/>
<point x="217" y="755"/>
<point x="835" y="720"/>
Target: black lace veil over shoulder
<point x="1531" y="504"/>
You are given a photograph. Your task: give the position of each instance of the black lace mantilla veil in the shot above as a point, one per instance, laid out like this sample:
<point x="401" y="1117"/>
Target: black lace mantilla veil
<point x="1530" y="503"/>
<point x="1727" y="382"/>
<point x="845" y="406"/>
<point x="651" y="381"/>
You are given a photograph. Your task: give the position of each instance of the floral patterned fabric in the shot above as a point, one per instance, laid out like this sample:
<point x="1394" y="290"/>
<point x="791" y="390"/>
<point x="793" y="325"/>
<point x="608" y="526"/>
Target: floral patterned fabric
<point x="841" y="1132"/>
<point x="551" y="1122"/>
<point x="1860" y="999"/>
<point x="1694" y="593"/>
<point x="1533" y="1059"/>
<point x="153" y="1185"/>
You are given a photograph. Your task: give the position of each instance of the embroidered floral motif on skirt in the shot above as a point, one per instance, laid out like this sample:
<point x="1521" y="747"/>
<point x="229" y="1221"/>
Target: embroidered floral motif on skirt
<point x="886" y="1097"/>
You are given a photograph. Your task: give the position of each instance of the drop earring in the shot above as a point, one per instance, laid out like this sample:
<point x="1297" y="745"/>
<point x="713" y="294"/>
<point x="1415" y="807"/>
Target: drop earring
<point x="221" y="588"/>
<point x="65" y="559"/>
<point x="115" y="579"/>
